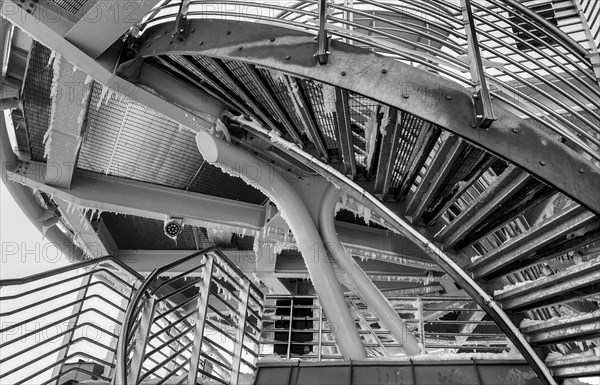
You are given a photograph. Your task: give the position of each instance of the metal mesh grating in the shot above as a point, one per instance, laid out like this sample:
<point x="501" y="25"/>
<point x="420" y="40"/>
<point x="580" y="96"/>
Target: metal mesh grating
<point x="461" y="170"/>
<point x="241" y="72"/>
<point x="72" y="6"/>
<point x="323" y="110"/>
<point x="37" y="103"/>
<point x="128" y="140"/>
<point x="276" y="82"/>
<point x="410" y="127"/>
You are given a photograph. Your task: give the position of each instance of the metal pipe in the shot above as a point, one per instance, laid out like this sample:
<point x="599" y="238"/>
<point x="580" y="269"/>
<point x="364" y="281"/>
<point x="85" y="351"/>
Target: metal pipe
<point x="368" y="291"/>
<point x="235" y="160"/>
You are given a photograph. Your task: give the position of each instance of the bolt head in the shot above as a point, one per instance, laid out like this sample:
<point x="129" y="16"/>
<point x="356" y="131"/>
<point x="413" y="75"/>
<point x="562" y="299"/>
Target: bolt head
<point x="384" y="71"/>
<point x="581" y="171"/>
<point x="543" y="163"/>
<point x="448" y="97"/>
<point x="343" y="73"/>
<point x="515" y="130"/>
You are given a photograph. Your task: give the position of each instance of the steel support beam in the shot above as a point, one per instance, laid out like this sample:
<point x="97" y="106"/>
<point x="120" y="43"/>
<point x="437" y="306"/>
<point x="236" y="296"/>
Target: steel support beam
<point x="431" y="97"/>
<point x="49" y="29"/>
<point x="497" y="194"/>
<point x="544" y="233"/>
<point x="85" y="235"/>
<point x="476" y="292"/>
<point x="288" y="200"/>
<point x="573" y="283"/>
<point x="344" y="131"/>
<point x="70" y="101"/>
<point x="310" y="123"/>
<point x="438" y="170"/>
<point x="105" y="22"/>
<point x="575" y="366"/>
<point x="388" y="151"/>
<point x="561" y="330"/>
<point x="109" y="193"/>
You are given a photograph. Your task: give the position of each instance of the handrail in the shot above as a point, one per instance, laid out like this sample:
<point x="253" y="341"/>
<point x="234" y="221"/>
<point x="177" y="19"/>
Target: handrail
<point x="562" y="80"/>
<point x="80" y="301"/>
<point x="64" y="269"/>
<point x="175" y="320"/>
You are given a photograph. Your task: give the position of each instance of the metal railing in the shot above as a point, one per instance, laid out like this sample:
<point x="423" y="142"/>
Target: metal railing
<point x="202" y="322"/>
<point x="295" y="327"/>
<point x="529" y="64"/>
<point x="53" y="321"/>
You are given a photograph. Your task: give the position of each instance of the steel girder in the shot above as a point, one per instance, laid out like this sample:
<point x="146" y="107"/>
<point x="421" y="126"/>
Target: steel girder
<point x="417" y="92"/>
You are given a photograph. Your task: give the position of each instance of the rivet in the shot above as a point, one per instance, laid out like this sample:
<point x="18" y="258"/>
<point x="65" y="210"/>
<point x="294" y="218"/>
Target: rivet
<point x="581" y="171"/>
<point x="287" y="58"/>
<point x="171" y="42"/>
<point x="193" y="30"/>
<point x="542" y="163"/>
<point x="272" y="39"/>
<point x="516" y="131"/>
<point x="229" y="32"/>
<point x="405" y="96"/>
<point x="343" y="73"/>
<point x="201" y="43"/>
<point x="448" y="97"/>
<point x="240" y="48"/>
<point x="384" y="71"/>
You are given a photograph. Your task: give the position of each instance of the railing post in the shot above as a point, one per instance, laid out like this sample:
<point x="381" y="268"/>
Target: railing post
<point x="241" y="330"/>
<point x="484" y="113"/>
<point x="289" y="346"/>
<point x="422" y="327"/>
<point x="322" y="38"/>
<point x="141" y="341"/>
<point x="68" y="338"/>
<point x="180" y="26"/>
<point x="200" y="317"/>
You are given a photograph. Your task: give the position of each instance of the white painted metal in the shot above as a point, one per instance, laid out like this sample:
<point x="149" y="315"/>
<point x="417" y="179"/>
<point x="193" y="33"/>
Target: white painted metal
<point x="280" y="191"/>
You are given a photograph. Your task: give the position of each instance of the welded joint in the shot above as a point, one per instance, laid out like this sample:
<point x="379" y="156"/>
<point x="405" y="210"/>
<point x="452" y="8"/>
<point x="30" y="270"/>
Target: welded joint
<point x="180" y="28"/>
<point x="322" y="38"/>
<point x="482" y="100"/>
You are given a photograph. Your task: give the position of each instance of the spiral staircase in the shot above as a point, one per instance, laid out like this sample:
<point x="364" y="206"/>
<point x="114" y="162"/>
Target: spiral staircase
<point x="468" y="128"/>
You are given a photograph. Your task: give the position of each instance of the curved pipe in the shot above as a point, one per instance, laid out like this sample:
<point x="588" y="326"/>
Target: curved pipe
<point x="479" y="295"/>
<point x="367" y="290"/>
<point x="234" y="160"/>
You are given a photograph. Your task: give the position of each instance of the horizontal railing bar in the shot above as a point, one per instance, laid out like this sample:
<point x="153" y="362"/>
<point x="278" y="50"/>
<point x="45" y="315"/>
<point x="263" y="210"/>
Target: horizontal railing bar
<point x="171" y="325"/>
<point x="169" y="341"/>
<point x="75" y="266"/>
<point x="62" y="307"/>
<point x="223" y="316"/>
<point x="170" y="374"/>
<point x="179" y="290"/>
<point x="181" y="305"/>
<point x="176" y="277"/>
<point x="214" y="360"/>
<point x="163" y="362"/>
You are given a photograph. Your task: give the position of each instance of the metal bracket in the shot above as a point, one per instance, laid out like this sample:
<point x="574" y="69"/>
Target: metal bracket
<point x="322" y="38"/>
<point x="180" y="28"/>
<point x="484" y="113"/>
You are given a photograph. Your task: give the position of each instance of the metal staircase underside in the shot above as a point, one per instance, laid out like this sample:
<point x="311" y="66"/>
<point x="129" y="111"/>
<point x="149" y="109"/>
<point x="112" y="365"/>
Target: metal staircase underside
<point x="525" y="228"/>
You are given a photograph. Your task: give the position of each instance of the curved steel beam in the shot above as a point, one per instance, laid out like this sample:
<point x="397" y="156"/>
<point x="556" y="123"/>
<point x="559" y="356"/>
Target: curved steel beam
<point x="471" y="287"/>
<point x="420" y="93"/>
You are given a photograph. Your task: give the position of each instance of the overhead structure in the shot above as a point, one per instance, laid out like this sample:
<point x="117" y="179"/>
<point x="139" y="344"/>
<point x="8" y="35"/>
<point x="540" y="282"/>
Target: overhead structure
<point x="319" y="181"/>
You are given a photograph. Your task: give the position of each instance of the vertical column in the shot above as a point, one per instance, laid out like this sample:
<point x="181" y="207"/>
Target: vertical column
<point x="200" y="317"/>
<point x="141" y="341"/>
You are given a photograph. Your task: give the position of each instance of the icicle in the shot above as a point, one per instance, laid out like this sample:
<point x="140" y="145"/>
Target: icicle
<point x="53" y="56"/>
<point x="102" y="96"/>
<point x="328" y="98"/>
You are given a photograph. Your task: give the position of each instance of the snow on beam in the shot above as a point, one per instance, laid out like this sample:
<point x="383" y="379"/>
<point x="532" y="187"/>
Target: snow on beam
<point x="86" y="237"/>
<point x="70" y="95"/>
<point x="48" y="25"/>
<point x="105" y="22"/>
<point x="111" y="193"/>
